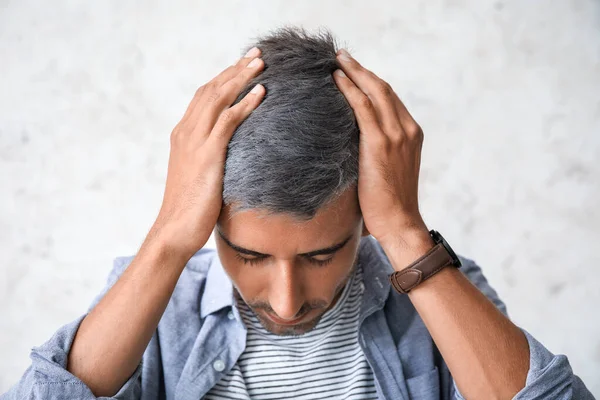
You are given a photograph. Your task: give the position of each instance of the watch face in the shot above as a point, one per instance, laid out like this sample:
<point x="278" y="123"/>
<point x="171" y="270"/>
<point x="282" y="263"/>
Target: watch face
<point x="438" y="238"/>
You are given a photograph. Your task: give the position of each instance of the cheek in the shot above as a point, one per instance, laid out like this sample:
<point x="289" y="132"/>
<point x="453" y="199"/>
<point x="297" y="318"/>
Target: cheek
<point x="248" y="279"/>
<point x="332" y="279"/>
<point x="324" y="284"/>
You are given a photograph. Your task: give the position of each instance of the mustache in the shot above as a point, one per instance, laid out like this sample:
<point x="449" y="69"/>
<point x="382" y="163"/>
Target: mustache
<point x="313" y="305"/>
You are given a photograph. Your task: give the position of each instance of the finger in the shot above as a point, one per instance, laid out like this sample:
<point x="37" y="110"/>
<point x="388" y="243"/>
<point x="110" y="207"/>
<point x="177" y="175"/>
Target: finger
<point x="217" y="100"/>
<point x="231" y="71"/>
<point x="380" y="92"/>
<point x="226" y="75"/>
<point x="410" y="126"/>
<point x="232" y="88"/>
<point x="192" y="106"/>
<point x="359" y="102"/>
<point x="231" y="118"/>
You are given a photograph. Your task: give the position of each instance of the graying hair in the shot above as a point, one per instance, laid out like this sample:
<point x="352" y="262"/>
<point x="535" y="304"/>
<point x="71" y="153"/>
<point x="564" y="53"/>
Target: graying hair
<point x="298" y="150"/>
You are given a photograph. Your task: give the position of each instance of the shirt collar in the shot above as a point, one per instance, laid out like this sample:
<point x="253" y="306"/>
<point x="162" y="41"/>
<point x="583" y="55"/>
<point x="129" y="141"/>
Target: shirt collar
<point x="376" y="269"/>
<point x="218" y="291"/>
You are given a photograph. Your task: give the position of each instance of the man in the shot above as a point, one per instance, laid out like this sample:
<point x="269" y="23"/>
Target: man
<point x="326" y="282"/>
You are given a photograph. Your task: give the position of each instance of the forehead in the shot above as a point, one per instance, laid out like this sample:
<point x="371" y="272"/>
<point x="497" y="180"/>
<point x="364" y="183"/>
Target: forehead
<point x="259" y="230"/>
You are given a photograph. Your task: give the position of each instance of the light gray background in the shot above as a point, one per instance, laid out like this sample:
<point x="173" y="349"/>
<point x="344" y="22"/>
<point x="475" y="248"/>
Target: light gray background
<point x="508" y="93"/>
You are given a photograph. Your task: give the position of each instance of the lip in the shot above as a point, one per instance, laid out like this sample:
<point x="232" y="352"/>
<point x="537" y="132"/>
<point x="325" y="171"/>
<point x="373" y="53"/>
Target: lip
<point x="284" y="322"/>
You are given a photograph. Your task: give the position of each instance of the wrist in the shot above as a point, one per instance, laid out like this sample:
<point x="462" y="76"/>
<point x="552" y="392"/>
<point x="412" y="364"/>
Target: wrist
<point x="164" y="242"/>
<point x="407" y="246"/>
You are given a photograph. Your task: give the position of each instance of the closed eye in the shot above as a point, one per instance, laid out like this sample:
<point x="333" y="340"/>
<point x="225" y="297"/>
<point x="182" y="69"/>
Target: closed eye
<point x="258" y="260"/>
<point x="250" y="261"/>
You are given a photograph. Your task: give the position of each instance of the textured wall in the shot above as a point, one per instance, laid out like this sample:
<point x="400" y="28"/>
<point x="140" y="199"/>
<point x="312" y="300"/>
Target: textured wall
<point x="507" y="93"/>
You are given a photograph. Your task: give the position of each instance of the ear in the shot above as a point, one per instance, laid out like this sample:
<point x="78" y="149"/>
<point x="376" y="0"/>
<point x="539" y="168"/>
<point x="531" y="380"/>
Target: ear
<point x="365" y="231"/>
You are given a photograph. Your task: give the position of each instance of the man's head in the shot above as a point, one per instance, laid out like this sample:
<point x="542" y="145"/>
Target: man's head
<point x="289" y="196"/>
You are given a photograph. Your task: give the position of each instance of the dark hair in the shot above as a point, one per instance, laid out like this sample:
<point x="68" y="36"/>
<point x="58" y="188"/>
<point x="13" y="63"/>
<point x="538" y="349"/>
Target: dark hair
<point x="298" y="150"/>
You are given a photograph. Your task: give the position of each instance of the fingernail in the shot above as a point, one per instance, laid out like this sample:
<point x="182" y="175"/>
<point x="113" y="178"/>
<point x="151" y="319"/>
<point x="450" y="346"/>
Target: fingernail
<point x="344" y="55"/>
<point x="254" y="63"/>
<point x="253" y="52"/>
<point x="256" y="89"/>
<point x="340" y="73"/>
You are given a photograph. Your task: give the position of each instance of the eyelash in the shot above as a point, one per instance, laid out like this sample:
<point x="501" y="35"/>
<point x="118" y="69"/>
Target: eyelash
<point x="253" y="261"/>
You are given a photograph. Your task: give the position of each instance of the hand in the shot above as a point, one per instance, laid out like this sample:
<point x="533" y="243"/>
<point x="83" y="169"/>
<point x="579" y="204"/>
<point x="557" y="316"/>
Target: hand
<point x="193" y="194"/>
<point x="389" y="158"/>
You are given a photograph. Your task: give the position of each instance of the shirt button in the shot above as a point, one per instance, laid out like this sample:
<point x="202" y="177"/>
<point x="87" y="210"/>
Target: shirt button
<point x="362" y="286"/>
<point x="230" y="315"/>
<point x="219" y="365"/>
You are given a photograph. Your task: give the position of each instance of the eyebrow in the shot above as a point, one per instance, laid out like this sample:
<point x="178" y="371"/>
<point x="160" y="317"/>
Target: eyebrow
<point x="327" y="250"/>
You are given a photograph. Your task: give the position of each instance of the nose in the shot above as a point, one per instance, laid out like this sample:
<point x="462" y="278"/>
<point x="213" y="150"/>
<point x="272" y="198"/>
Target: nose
<point x="286" y="297"/>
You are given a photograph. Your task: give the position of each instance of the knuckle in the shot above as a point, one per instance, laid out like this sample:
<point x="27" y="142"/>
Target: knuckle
<point x="209" y="87"/>
<point x="414" y="130"/>
<point x="176" y="141"/>
<point x="174" y="138"/>
<point x="176" y="133"/>
<point x="383" y="89"/>
<point x="220" y="131"/>
<point x="227" y="116"/>
<point x="420" y="135"/>
<point x="199" y="91"/>
<point x="212" y="85"/>
<point x="363" y="101"/>
<point x="213" y="97"/>
<point x="244" y="103"/>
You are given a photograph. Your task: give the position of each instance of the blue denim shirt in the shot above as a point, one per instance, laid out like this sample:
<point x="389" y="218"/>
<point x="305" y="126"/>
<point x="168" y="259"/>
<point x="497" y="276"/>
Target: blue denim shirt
<point x="201" y="330"/>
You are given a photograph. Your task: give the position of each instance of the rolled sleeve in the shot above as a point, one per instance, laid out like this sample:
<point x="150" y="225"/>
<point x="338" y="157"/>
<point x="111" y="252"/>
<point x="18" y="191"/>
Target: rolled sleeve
<point x="48" y="378"/>
<point x="550" y="376"/>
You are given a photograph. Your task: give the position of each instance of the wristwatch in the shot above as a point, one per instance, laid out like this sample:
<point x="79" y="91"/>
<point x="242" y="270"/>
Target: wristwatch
<point x="436" y="259"/>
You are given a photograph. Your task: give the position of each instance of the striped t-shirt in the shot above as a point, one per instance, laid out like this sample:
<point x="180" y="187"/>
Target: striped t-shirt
<point x="324" y="363"/>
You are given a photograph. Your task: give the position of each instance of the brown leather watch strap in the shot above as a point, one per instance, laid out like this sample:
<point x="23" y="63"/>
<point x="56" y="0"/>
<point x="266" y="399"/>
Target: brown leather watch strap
<point x="428" y="265"/>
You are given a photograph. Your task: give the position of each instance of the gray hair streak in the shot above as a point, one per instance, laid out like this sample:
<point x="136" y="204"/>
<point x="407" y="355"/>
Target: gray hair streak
<point x="298" y="150"/>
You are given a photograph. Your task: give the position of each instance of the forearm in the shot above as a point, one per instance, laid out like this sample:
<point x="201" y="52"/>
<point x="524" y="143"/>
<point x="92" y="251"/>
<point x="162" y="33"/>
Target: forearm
<point x="486" y="353"/>
<point x="112" y="338"/>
